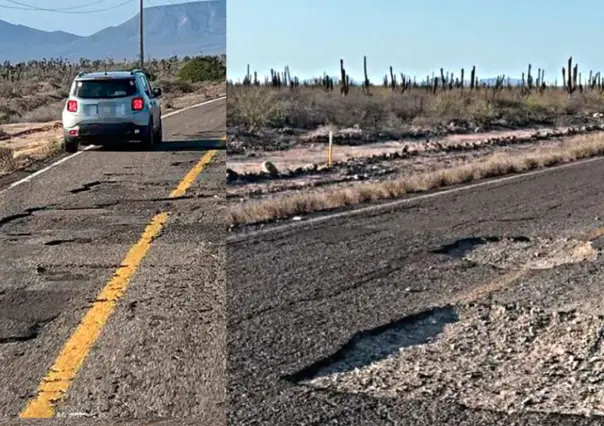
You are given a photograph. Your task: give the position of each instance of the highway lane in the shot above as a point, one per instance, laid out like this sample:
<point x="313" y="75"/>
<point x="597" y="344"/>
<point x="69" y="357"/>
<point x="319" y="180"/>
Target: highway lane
<point x="298" y="294"/>
<point x="63" y="235"/>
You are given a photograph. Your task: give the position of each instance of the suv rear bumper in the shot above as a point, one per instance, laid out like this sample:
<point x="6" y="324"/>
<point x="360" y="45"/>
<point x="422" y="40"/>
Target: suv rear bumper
<point x="105" y="132"/>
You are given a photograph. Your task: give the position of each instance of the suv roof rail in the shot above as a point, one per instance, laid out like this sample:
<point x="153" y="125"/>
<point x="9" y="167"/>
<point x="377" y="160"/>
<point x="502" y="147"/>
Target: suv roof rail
<point x="81" y="73"/>
<point x="136" y="70"/>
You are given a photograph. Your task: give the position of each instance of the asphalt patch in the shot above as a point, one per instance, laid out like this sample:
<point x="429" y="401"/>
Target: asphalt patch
<point x="26" y="213"/>
<point x="24" y="313"/>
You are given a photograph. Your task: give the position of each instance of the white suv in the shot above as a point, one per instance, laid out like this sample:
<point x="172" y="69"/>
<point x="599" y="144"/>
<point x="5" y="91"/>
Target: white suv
<point x="109" y="107"/>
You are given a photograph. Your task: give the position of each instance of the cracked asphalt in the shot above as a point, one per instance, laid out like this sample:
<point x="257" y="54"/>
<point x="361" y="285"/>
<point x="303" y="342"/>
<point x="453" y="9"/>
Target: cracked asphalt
<point x="63" y="234"/>
<point x="297" y="296"/>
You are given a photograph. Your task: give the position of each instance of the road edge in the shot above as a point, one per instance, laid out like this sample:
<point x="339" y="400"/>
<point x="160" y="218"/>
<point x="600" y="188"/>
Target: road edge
<point x="239" y="234"/>
<point x="62" y="160"/>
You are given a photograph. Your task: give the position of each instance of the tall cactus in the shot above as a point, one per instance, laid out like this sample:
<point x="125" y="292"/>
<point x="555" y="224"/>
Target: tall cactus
<point x="392" y="80"/>
<point x="344" y="87"/>
<point x="366" y="81"/>
<point x="569" y="76"/>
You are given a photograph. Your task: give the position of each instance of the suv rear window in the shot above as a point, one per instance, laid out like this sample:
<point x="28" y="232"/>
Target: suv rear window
<point x="97" y="89"/>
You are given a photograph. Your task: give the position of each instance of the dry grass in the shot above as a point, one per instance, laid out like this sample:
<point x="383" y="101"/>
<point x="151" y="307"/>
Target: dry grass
<point x="309" y="108"/>
<point x="498" y="164"/>
<point x="12" y="160"/>
<point x="7" y="160"/>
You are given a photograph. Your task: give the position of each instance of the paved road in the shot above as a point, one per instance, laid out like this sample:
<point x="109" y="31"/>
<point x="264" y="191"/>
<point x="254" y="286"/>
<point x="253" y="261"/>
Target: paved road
<point x="65" y="233"/>
<point x="297" y="295"/>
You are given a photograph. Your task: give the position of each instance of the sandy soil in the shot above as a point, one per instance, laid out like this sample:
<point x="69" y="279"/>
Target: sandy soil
<point x="28" y="138"/>
<point x="316" y="153"/>
<point x="375" y="161"/>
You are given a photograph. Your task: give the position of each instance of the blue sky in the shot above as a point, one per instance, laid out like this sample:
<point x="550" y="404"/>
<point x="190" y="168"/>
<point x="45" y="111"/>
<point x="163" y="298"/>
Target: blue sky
<point x="80" y="24"/>
<point x="415" y="37"/>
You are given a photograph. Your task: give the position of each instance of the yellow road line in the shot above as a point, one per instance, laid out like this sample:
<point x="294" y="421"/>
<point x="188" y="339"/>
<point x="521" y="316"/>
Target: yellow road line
<point x="190" y="177"/>
<point x="57" y="380"/>
<point x="510" y="277"/>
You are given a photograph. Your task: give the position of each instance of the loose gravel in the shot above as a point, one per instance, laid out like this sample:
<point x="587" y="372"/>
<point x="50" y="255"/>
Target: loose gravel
<point x="496" y="357"/>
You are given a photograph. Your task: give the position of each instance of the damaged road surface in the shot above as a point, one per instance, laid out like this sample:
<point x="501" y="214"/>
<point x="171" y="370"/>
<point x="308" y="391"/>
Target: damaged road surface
<point x="480" y="306"/>
<point x="63" y="236"/>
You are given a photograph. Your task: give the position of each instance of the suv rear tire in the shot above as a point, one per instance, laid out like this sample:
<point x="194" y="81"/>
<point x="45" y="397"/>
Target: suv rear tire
<point x="159" y="135"/>
<point x="71" y="146"/>
<point x="148" y="139"/>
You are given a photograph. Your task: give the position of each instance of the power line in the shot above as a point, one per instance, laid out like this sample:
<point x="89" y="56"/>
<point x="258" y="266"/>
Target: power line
<point x="64" y="10"/>
<point x="29" y="7"/>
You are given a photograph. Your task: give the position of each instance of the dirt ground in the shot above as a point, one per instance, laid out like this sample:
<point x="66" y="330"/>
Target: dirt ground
<point x="303" y="165"/>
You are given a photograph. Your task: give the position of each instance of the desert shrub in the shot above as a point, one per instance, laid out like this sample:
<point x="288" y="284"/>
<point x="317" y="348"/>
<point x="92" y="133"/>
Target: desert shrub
<point x="203" y="68"/>
<point x="175" y="86"/>
<point x="255" y="108"/>
<point x="7" y="159"/>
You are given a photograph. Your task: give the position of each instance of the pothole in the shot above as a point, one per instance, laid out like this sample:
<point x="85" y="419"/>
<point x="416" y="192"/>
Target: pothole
<point x="68" y="240"/>
<point x="85" y="187"/>
<point x="376" y="344"/>
<point x="521" y="252"/>
<point x="497" y="357"/>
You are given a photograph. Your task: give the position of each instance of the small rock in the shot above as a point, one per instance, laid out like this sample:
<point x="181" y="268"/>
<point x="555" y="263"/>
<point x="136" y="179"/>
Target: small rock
<point x="232" y="175"/>
<point x="270" y="168"/>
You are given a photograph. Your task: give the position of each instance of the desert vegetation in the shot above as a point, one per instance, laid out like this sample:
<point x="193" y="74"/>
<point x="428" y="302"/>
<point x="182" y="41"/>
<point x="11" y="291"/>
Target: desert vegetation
<point x="402" y="135"/>
<point x="35" y="91"/>
<point x="281" y="100"/>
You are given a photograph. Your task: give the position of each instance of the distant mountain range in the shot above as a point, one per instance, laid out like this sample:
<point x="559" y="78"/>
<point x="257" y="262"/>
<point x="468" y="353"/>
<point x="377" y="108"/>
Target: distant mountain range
<point x="178" y="29"/>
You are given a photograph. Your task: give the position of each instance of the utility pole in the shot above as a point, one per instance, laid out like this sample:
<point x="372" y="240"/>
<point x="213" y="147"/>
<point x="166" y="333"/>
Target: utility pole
<point x="141" y="38"/>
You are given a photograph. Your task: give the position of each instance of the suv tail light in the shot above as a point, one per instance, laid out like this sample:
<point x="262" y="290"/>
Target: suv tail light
<point x="137" y="104"/>
<point x="72" y="106"/>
